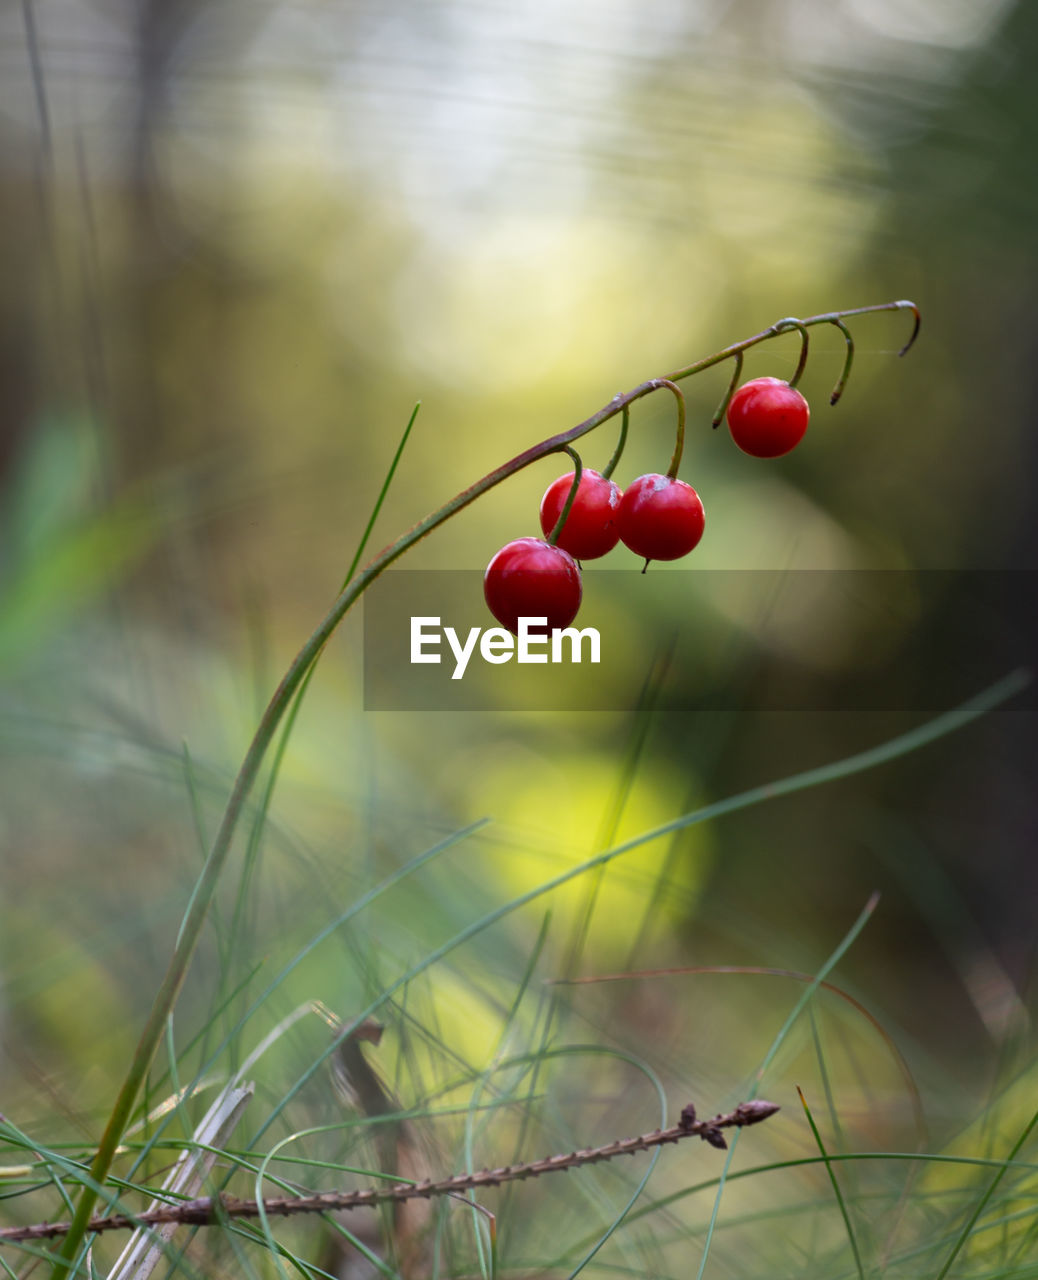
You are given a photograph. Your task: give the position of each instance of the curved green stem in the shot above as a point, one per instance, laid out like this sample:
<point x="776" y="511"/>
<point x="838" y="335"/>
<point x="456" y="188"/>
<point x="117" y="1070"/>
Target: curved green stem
<point x="262" y="809"/>
<point x="791" y="322"/>
<point x="202" y="898"/>
<point x="722" y="408"/>
<point x="848" y="361"/>
<point x="625" y="422"/>
<point x="578" y="471"/>
<point x="195" y="918"/>
<point x="679" y="443"/>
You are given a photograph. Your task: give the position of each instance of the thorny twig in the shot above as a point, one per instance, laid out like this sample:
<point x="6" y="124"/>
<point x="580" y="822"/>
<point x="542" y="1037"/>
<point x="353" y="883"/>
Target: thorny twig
<point x="214" y="1209"/>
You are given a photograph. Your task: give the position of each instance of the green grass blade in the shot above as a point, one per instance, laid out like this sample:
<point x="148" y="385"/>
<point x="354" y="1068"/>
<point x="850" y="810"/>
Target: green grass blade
<point x="769" y="1057"/>
<point x="609" y="823"/>
<point x="982" y="1204"/>
<point x="263" y="808"/>
<point x="893" y="749"/>
<point x="376" y="891"/>
<point x="848" y="941"/>
<point x="376" y="509"/>
<point x="480" y="1084"/>
<point x="835" y="1184"/>
<point x="803" y="1162"/>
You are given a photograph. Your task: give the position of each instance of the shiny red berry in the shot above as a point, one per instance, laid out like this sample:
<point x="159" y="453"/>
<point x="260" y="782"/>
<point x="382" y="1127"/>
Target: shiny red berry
<point x="661" y="518"/>
<point x="590" y="529"/>
<point x="529" y="578"/>
<point x="767" y="417"/>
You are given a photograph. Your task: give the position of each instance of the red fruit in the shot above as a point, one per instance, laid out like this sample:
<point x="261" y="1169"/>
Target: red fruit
<point x="590" y="529"/>
<point x="660" y="518"/>
<point x="529" y="578"/>
<point x="767" y="417"/>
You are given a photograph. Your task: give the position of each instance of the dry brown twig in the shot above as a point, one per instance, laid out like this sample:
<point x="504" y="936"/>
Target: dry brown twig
<point x="209" y="1210"/>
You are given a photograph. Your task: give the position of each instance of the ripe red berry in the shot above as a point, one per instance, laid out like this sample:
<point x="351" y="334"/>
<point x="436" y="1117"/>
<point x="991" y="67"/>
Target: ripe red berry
<point x="590" y="529"/>
<point x="529" y="578"/>
<point x="661" y="518"/>
<point x="767" y="417"/>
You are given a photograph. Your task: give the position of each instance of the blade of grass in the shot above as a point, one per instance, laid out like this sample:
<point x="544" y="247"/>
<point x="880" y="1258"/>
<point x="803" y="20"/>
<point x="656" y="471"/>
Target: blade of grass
<point x="871" y="758"/>
<point x="244" y="1266"/>
<point x="170" y="987"/>
<point x="483" y="1079"/>
<point x="644" y="1180"/>
<point x="971" y="1222"/>
<point x="835" y="1185"/>
<point x="803" y="1162"/>
<point x="757" y="1218"/>
<point x="740" y="970"/>
<point x="394" y="878"/>
<point x="199" y="1040"/>
<point x="566" y="1051"/>
<point x="260" y="818"/>
<point x="219" y="932"/>
<point x="769" y="1057"/>
<point x="827" y="1084"/>
<point x="376" y="509"/>
<point x="952" y="922"/>
<point x="931" y="1246"/>
<point x="145" y="1249"/>
<point x="108" y="1192"/>
<point x="609" y="823"/>
<point x="848" y="941"/>
<point x="549" y="1010"/>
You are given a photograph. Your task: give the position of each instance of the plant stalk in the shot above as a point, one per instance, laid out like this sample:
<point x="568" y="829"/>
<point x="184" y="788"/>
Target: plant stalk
<point x="195" y="918"/>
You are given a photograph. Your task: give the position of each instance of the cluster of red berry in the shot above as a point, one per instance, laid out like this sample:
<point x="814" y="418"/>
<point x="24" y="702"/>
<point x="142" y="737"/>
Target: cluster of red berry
<point x="658" y="517"/>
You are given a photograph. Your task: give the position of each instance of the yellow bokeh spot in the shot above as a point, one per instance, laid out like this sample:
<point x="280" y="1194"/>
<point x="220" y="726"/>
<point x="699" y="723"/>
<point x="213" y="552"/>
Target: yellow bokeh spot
<point x="550" y="820"/>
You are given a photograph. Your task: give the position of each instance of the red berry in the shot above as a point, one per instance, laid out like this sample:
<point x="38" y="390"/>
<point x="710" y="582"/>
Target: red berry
<point x="529" y="578"/>
<point x="767" y="417"/>
<point x="660" y="518"/>
<point x="590" y="529"/>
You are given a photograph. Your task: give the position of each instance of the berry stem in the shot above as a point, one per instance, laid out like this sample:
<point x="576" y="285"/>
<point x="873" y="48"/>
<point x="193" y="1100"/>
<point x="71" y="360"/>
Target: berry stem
<point x="791" y="322"/>
<point x="722" y="408"/>
<point x="679" y="443"/>
<point x="578" y="470"/>
<point x="904" y="305"/>
<point x="848" y="361"/>
<point x="625" y="422"/>
<point x="205" y="889"/>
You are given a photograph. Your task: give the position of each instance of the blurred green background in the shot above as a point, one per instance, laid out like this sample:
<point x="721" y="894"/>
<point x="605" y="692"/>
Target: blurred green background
<point x="238" y="242"/>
